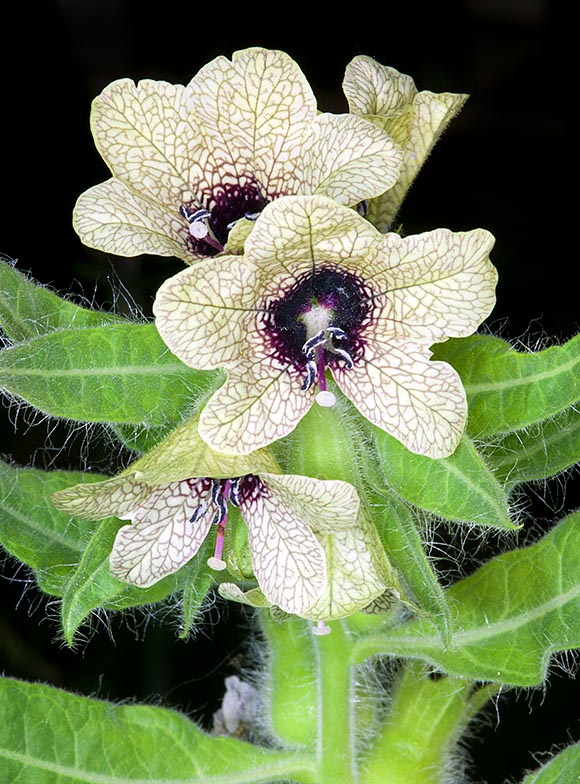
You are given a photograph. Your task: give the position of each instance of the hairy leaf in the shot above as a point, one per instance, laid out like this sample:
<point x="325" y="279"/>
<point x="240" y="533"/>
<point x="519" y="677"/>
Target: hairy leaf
<point x="48" y="736"/>
<point x="400" y="537"/>
<point x="460" y="487"/>
<point x="423" y="723"/>
<point x="539" y="451"/>
<point x="561" y="769"/>
<point x="116" y="373"/>
<point x="507" y="389"/>
<point x="509" y="616"/>
<point x="31" y="529"/>
<point x="92" y="585"/>
<point x="28" y="309"/>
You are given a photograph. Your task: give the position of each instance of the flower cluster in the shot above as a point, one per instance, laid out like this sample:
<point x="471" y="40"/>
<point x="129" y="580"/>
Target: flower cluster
<point x="298" y="290"/>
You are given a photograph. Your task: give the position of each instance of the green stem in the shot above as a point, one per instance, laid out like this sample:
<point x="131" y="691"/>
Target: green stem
<point x="336" y="753"/>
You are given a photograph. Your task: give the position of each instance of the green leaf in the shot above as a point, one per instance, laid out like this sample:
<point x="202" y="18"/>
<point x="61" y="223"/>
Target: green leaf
<point x="28" y="309"/>
<point x="561" y="769"/>
<point x="36" y="533"/>
<point x="507" y="390"/>
<point x="538" y="452"/>
<point x="92" y="585"/>
<point x="460" y="487"/>
<point x="198" y="584"/>
<point x="117" y="373"/>
<point x="400" y="537"/>
<point x="48" y="736"/>
<point x="141" y="439"/>
<point x="509" y="616"/>
<point x="422" y="727"/>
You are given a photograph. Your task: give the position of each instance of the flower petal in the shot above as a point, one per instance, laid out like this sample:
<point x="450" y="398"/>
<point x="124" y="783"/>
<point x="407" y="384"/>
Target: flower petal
<point x="98" y="500"/>
<point x="434" y="285"/>
<point x="161" y="539"/>
<point x="287" y="558"/>
<point x="397" y="388"/>
<point x="296" y="233"/>
<point x="432" y="112"/>
<point x="357" y="572"/>
<point x="233" y="593"/>
<point x="324" y="504"/>
<point x="254" y="111"/>
<point x="256" y="406"/>
<point x="372" y="88"/>
<point x="148" y="136"/>
<point x="112" y="217"/>
<point x="348" y="159"/>
<point x="205" y="313"/>
<point x="390" y="100"/>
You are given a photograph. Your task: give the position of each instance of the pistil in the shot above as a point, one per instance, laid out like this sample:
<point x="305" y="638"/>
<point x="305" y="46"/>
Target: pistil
<point x="220" y="499"/>
<point x="321" y="629"/>
<point x="199" y="226"/>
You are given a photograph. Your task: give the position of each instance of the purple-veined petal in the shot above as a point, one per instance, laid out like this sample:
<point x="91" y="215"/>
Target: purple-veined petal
<point x="161" y="538"/>
<point x="254" y="111"/>
<point x="148" y="136"/>
<point x="397" y="388"/>
<point x="97" y="500"/>
<point x="287" y="558"/>
<point x="326" y="505"/>
<point x="205" y="313"/>
<point x="434" y="285"/>
<point x="257" y="405"/>
<point x="348" y="159"/>
<point x="112" y="216"/>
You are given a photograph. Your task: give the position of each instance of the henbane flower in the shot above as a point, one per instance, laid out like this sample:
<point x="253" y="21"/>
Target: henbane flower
<point x="178" y="491"/>
<point x="415" y="120"/>
<point x="189" y="161"/>
<point x="319" y="288"/>
<point x="358" y="576"/>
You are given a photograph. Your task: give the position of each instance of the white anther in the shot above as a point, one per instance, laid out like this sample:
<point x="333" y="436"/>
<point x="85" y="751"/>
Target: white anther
<point x="325" y="398"/>
<point x="321" y="629"/>
<point x="217" y="564"/>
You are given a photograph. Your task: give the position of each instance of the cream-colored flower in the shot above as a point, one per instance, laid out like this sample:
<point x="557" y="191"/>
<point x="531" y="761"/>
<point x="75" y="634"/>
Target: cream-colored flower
<point x="189" y="161"/>
<point x="174" y="494"/>
<point x="358" y="576"/>
<point x="415" y="120"/>
<point x="319" y="288"/>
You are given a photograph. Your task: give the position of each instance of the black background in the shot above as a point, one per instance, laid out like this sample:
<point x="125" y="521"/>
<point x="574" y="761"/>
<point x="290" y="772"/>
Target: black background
<point x="508" y="163"/>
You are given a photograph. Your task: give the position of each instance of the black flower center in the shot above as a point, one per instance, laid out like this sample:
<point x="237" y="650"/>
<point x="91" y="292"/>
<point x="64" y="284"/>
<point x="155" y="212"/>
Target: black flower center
<point x="321" y="320"/>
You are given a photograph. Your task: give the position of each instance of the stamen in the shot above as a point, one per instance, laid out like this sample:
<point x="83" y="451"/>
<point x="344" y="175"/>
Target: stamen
<point x="314" y="349"/>
<point x="310" y="379"/>
<point x="345" y="355"/>
<point x="337" y="333"/>
<point x="251" y="216"/>
<point x="314" y="342"/>
<point x="235" y="491"/>
<point x="199" y="512"/>
<point x="321" y="629"/>
<point x="362" y="208"/>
